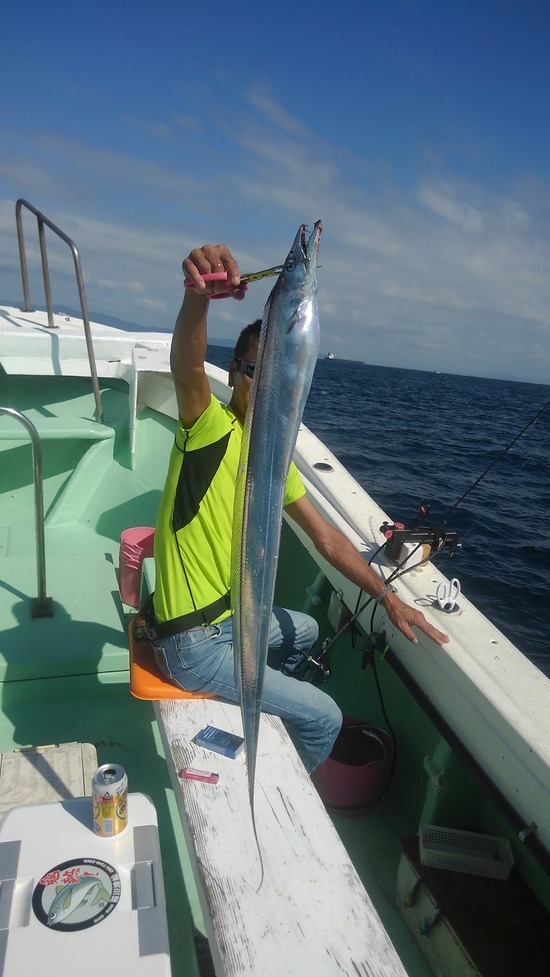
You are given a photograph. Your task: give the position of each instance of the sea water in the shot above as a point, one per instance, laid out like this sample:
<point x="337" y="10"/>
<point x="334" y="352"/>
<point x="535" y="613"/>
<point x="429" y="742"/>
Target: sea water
<point x="407" y="435"/>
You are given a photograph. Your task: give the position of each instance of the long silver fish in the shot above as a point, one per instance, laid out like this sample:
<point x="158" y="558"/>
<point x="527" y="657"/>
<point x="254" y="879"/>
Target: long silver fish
<point x="289" y="344"/>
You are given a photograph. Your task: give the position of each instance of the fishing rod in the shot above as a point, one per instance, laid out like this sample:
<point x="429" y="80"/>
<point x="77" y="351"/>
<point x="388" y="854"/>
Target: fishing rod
<point x="317" y="667"/>
<point x="435" y="538"/>
<point x="497" y="459"/>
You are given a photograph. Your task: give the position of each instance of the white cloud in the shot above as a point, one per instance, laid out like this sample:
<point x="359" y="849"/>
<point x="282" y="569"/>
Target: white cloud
<point x="444" y="204"/>
<point x="450" y="275"/>
<point x="276" y="113"/>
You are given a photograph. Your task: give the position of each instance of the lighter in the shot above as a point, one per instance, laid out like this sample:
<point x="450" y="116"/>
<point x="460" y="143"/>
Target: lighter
<point x="189" y="773"/>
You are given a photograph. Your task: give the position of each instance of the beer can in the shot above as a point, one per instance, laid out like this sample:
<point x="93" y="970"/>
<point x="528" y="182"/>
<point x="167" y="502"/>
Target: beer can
<point x="110" y="800"/>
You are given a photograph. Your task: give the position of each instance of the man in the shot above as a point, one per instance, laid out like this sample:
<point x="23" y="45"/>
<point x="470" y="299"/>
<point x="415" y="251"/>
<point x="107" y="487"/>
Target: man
<point x="192" y="619"/>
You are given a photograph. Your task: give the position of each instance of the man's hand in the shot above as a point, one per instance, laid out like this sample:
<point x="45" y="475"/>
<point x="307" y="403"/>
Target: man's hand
<point x="342" y="555"/>
<point x="213" y="258"/>
<point x="405" y="618"/>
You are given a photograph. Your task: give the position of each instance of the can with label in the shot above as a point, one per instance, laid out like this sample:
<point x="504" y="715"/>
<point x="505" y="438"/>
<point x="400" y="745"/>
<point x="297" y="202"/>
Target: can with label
<point x="110" y="800"/>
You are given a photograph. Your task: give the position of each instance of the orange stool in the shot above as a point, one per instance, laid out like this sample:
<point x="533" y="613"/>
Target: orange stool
<point x="147" y="681"/>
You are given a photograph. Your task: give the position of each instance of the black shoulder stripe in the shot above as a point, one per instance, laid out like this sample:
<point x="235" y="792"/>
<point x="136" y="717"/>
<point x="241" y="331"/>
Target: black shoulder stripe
<point x="197" y="472"/>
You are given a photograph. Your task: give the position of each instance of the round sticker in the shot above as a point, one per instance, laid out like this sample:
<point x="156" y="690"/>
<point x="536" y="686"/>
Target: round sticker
<point x="76" y="894"/>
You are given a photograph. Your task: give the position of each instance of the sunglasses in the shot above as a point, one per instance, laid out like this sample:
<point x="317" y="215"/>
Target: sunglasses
<point x="247" y="366"/>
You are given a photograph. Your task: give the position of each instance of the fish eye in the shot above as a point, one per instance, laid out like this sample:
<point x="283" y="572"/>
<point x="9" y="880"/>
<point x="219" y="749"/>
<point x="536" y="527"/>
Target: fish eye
<point x="290" y="263"/>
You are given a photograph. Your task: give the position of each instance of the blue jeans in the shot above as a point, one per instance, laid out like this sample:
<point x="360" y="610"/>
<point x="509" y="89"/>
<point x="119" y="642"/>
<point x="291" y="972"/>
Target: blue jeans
<point x="201" y="660"/>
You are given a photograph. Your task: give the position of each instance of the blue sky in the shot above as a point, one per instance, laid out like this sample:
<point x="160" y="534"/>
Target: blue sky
<point x="417" y="131"/>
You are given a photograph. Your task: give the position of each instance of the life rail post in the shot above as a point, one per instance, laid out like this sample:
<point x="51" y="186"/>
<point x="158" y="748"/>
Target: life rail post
<point x="42" y="606"/>
<point x="42" y="222"/>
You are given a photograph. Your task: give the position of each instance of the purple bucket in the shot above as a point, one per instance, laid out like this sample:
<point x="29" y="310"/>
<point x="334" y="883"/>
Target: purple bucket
<point x="135" y="545"/>
<point x="358" y="770"/>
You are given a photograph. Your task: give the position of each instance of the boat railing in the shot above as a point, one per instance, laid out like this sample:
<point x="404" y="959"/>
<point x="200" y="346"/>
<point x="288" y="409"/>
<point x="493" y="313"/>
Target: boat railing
<point x="42" y="606"/>
<point x="44" y="222"/>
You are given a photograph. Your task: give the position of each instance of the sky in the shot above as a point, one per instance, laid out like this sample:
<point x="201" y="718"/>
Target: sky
<point x="418" y="132"/>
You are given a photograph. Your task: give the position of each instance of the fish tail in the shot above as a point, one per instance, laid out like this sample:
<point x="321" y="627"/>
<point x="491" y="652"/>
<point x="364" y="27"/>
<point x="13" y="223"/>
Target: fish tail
<point x="262" y="872"/>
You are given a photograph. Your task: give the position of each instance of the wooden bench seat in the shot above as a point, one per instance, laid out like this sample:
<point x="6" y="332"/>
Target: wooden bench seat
<point x="311" y="914"/>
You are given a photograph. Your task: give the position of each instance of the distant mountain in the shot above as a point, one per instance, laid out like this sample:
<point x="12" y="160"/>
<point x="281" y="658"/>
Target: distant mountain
<point x="109" y="320"/>
<point x="101" y="317"/>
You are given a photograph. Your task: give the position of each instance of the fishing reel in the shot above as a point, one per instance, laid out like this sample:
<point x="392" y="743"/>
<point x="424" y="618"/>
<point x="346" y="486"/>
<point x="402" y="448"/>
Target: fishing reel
<point x="426" y="539"/>
<point x="316" y="669"/>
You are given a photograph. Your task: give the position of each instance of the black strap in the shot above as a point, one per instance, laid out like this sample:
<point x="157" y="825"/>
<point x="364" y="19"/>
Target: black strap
<point x="195" y="619"/>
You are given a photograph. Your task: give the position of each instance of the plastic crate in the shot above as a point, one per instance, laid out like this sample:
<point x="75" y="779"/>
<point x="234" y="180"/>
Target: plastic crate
<point x="465" y="851"/>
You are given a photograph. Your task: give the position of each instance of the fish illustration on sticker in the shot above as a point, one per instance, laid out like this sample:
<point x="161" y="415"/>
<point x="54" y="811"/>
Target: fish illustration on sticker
<point x="76" y="894"/>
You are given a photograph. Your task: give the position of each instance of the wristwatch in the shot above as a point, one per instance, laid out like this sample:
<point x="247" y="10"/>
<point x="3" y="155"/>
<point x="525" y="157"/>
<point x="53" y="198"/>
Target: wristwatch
<point x="388" y="589"/>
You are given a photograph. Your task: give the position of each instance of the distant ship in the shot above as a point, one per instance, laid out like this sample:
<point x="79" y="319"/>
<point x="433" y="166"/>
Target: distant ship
<point x="331" y="356"/>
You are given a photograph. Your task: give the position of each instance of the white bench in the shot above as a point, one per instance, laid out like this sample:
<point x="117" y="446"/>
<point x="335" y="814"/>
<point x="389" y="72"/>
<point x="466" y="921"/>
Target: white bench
<point x="311" y="914"/>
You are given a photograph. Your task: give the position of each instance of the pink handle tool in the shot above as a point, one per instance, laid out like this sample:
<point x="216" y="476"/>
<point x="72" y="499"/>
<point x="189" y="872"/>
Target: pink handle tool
<point x="221" y="276"/>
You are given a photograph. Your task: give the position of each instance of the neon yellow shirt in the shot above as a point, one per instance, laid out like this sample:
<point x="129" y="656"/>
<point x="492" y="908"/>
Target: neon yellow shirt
<point x="194" y="523"/>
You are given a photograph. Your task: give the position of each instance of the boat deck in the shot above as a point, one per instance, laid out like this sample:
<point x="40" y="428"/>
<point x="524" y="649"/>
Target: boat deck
<point x="65" y="677"/>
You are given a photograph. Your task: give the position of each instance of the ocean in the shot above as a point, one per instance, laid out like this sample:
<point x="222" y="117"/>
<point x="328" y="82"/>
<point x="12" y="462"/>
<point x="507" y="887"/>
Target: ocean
<point x="407" y="435"/>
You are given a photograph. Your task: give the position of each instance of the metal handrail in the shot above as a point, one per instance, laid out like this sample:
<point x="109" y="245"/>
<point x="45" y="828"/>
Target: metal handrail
<point x="42" y="222"/>
<point x="42" y="606"/>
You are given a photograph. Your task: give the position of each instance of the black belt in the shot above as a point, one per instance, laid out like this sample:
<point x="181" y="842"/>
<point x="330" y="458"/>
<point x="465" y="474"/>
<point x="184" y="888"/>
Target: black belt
<point x="195" y="619"/>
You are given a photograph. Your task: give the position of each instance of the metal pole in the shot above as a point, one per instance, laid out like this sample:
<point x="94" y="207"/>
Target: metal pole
<point x="87" y="330"/>
<point x="45" y="272"/>
<point x="43" y="220"/>
<point x="27" y="307"/>
<point x="42" y="606"/>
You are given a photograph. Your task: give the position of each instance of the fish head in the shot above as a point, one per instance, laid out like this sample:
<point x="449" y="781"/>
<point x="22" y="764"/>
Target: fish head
<point x="290" y="325"/>
<point x="299" y="274"/>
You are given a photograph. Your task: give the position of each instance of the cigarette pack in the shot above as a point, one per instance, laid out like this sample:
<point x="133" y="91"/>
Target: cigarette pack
<point x="220" y="741"/>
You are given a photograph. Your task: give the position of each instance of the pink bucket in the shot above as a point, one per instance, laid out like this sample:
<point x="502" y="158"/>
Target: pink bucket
<point x="357" y="771"/>
<point x="135" y="545"/>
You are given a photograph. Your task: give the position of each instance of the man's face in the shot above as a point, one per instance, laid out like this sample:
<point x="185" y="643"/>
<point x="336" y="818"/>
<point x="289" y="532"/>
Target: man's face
<point x="240" y="378"/>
